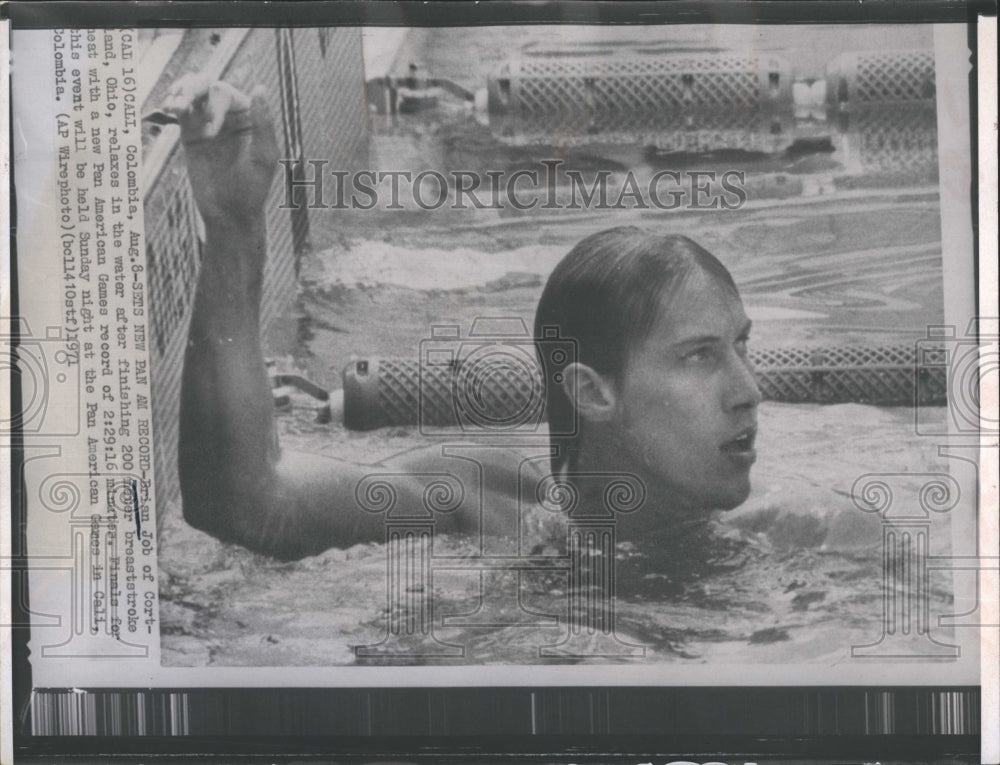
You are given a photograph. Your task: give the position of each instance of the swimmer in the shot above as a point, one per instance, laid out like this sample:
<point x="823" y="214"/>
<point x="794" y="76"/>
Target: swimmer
<point x="662" y="387"/>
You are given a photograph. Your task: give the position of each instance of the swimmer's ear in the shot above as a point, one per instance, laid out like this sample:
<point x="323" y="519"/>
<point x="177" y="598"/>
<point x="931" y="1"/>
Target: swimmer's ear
<point x="592" y="394"/>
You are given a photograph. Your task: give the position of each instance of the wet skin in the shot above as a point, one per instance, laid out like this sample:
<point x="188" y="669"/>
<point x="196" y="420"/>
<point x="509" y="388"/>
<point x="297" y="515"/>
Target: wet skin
<point x="685" y="398"/>
<point x="687" y="403"/>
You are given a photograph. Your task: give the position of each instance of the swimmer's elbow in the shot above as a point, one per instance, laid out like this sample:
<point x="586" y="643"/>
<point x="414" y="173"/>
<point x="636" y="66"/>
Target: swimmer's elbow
<point x="247" y="519"/>
<point x="210" y="515"/>
<point x="268" y="531"/>
<point x="200" y="514"/>
<point x="247" y="524"/>
<point x="288" y="512"/>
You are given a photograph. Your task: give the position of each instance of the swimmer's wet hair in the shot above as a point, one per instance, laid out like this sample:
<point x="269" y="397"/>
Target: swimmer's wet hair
<point x="605" y="295"/>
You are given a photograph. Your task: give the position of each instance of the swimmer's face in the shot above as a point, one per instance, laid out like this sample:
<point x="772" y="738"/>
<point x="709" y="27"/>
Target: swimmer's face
<point x="688" y="398"/>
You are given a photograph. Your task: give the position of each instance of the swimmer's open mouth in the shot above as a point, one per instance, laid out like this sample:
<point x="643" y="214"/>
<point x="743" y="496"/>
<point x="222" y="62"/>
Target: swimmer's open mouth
<point x="742" y="443"/>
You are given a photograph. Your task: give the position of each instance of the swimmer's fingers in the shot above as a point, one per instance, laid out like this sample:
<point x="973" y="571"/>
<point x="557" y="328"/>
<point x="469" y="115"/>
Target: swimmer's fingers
<point x="265" y="139"/>
<point x="230" y="146"/>
<point x="187" y="102"/>
<point x="207" y="108"/>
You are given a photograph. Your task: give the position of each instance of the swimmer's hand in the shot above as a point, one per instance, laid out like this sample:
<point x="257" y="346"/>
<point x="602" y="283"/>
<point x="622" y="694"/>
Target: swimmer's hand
<point x="231" y="147"/>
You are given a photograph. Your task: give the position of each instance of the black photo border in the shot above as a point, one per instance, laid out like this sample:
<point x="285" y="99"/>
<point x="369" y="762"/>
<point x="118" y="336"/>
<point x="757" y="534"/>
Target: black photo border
<point x="544" y="724"/>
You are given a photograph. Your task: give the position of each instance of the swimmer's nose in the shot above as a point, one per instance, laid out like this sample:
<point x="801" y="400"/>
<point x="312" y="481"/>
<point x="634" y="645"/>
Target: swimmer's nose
<point x="743" y="391"/>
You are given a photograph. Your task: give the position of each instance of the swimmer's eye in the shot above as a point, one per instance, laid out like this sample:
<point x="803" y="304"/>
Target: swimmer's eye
<point x="699" y="354"/>
<point x="741" y="344"/>
<point x="743" y="340"/>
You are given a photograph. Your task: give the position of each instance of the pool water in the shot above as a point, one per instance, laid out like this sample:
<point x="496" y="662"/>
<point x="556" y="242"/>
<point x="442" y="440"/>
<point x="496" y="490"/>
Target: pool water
<point x="792" y="575"/>
<point x="824" y="254"/>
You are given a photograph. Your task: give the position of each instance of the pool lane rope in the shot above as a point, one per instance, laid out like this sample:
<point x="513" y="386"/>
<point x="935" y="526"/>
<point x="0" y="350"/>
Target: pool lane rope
<point x="502" y="389"/>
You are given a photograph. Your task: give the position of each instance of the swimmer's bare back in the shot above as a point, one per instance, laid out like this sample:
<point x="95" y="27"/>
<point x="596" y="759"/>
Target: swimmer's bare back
<point x="237" y="483"/>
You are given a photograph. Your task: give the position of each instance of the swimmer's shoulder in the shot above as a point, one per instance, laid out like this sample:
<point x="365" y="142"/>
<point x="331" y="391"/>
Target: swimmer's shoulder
<point x="500" y="466"/>
<point x="499" y="481"/>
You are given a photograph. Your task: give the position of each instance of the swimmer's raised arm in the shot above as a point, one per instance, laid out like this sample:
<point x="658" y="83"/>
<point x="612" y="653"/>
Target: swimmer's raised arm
<point x="236" y="482"/>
